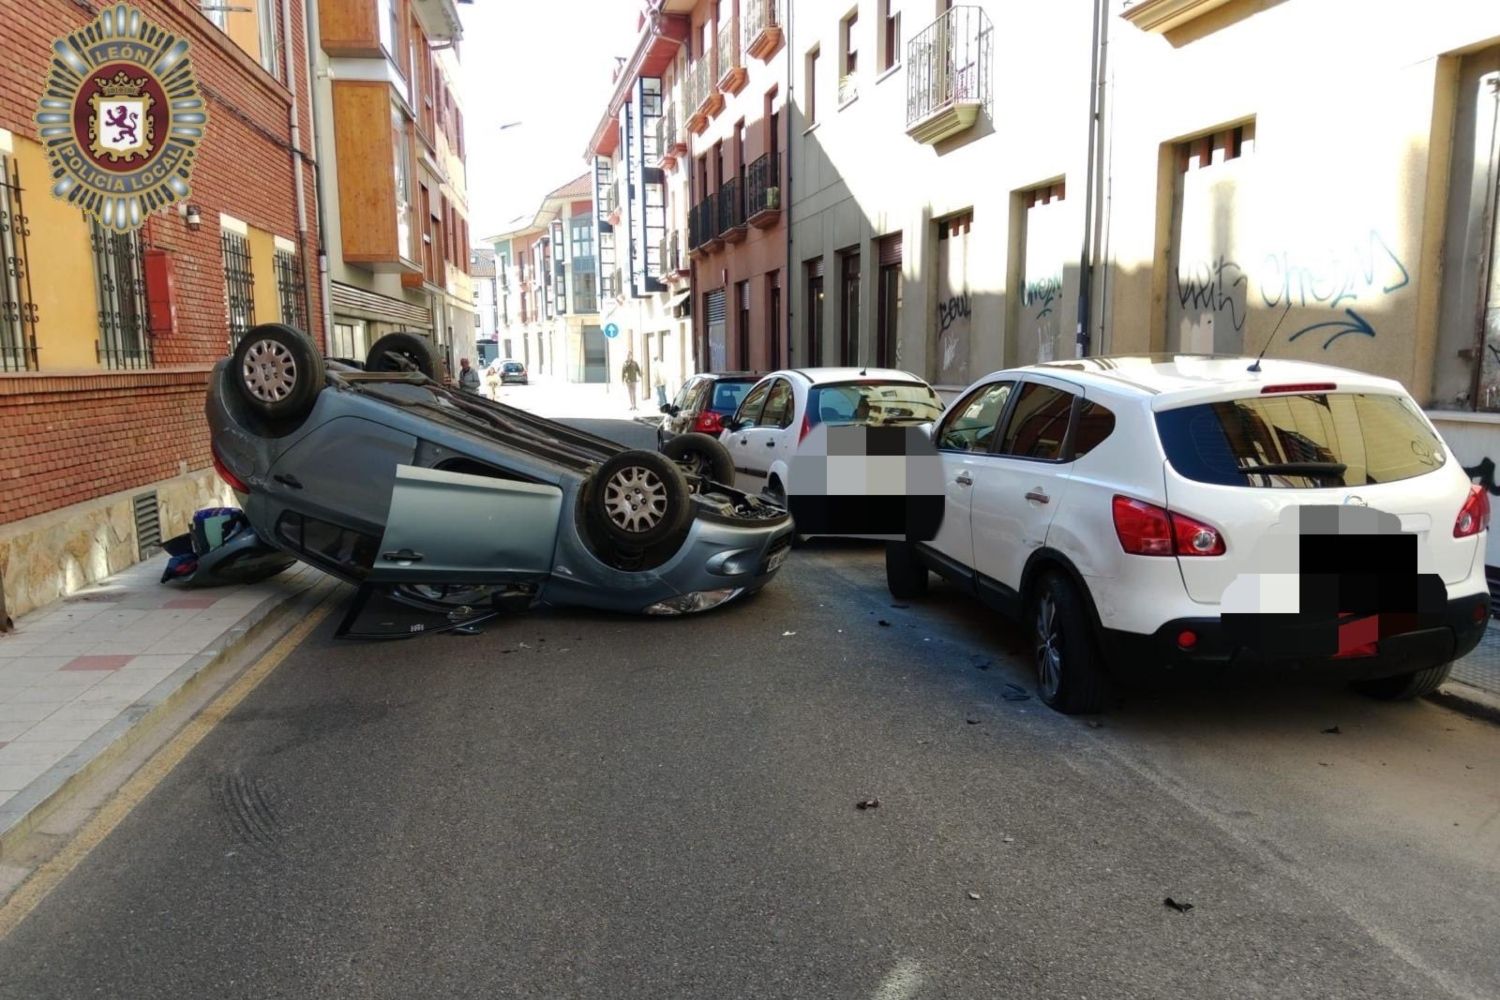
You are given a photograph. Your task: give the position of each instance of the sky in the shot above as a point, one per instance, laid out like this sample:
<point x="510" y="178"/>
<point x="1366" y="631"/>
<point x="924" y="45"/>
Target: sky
<point x="546" y="65"/>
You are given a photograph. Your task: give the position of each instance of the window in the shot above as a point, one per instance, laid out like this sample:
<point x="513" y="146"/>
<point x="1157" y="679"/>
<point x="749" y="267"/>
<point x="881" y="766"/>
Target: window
<point x="742" y="301"/>
<point x="120" y="284"/>
<point x="582" y="234"/>
<point x="971" y="424"/>
<point x="389" y="14"/>
<point x="850" y="44"/>
<point x="727" y="396"/>
<point x="348" y="340"/>
<point x="873" y="403"/>
<point x="216" y="11"/>
<point x="1093" y="425"/>
<point x="18" y="314"/>
<point x="750" y="410"/>
<point x="813" y="308"/>
<point x="403" y="183"/>
<point x="778" y="411"/>
<point x="1216" y="147"/>
<point x="585" y="292"/>
<point x="289" y="288"/>
<point x="1306" y="441"/>
<point x="888" y="301"/>
<point x="890" y="56"/>
<point x="239" y="285"/>
<point x="810" y="85"/>
<point x="849" y="303"/>
<point x="1039" y="426"/>
<point x="773" y="312"/>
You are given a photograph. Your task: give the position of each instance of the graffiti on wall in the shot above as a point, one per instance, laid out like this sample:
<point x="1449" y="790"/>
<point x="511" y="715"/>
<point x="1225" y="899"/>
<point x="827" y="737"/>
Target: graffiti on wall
<point x="950" y="312"/>
<point x="1041" y="300"/>
<point x="1360" y="273"/>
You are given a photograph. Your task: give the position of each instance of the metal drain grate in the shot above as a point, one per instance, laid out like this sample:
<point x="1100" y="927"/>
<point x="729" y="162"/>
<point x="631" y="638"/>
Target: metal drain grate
<point x="147" y="525"/>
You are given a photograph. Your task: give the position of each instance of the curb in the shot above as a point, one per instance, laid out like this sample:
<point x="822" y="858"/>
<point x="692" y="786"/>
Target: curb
<point x="56" y="786"/>
<point x="1468" y="699"/>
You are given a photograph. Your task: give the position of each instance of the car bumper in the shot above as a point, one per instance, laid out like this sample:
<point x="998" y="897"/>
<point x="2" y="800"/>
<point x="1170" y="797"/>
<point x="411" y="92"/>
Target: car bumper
<point x="513" y="380"/>
<point x="1442" y="636"/>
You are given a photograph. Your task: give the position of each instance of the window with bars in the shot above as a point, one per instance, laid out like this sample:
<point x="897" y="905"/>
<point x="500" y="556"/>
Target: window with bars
<point x="239" y="285"/>
<point x="290" y="289"/>
<point x="120" y="285"/>
<point x="18" y="315"/>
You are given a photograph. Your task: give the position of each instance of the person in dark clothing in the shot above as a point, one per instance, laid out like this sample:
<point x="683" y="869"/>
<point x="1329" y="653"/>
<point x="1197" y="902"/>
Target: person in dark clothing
<point x="468" y="378"/>
<point x="630" y="374"/>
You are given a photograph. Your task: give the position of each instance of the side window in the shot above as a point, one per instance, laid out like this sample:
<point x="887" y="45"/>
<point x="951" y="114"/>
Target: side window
<point x="1039" y="425"/>
<point x="778" y="412"/>
<point x="685" y="393"/>
<point x="749" y="411"/>
<point x="1095" y="423"/>
<point x="971" y="423"/>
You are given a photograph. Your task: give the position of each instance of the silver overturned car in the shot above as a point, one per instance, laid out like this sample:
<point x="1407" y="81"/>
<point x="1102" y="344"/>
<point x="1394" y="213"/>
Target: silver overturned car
<point x="389" y="479"/>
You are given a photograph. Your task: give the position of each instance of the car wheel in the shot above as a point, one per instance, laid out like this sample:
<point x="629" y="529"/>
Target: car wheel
<point x="905" y="573"/>
<point x="389" y="352"/>
<point x="278" y="371"/>
<point x="639" y="499"/>
<point x="778" y="494"/>
<point x="1069" y="674"/>
<point x="1404" y="687"/>
<point x="700" y="455"/>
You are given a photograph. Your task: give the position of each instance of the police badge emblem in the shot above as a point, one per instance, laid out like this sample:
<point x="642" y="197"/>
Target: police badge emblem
<point x="121" y="118"/>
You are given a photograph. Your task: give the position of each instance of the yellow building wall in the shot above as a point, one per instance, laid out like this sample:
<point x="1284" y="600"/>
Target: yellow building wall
<point x="244" y="27"/>
<point x="263" y="264"/>
<point x="63" y="290"/>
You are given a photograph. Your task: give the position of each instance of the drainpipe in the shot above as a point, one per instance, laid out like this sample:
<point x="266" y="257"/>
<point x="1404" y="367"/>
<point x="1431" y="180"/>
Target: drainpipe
<point x="294" y="119"/>
<point x="1085" y="262"/>
<point x="786" y="197"/>
<point x="312" y="41"/>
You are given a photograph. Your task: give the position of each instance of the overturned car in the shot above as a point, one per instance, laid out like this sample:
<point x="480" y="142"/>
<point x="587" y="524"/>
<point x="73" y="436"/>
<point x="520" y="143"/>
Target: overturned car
<point x="387" y="478"/>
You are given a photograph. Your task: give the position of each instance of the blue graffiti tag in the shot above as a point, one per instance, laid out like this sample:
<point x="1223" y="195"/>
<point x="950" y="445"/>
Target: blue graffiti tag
<point x="1355" y="324"/>
<point x="1044" y="293"/>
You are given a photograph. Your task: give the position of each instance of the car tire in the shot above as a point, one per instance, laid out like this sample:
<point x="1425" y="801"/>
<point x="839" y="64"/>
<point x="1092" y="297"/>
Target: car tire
<point x="700" y="455"/>
<point x="411" y="347"/>
<point x="639" y="499"/>
<point x="1404" y="687"/>
<point x="278" y="371"/>
<point x="1070" y="672"/>
<point x="778" y="493"/>
<point x="905" y="574"/>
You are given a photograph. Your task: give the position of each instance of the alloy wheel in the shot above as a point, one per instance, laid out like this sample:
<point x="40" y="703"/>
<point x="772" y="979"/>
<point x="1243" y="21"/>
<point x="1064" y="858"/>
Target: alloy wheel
<point x="270" y="371"/>
<point x="636" y="499"/>
<point x="1048" y="646"/>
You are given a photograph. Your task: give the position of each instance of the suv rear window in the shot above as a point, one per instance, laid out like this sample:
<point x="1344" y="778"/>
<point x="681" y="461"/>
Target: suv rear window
<point x="727" y="396"/>
<point x="1308" y="441"/>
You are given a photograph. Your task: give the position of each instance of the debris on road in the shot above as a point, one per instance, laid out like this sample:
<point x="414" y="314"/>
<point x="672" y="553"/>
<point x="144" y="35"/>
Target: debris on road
<point x="867" y="804"/>
<point x="1008" y="840"/>
<point x="785" y="634"/>
<point x="973" y="895"/>
<point x="1179" y="907"/>
<point x="901" y="607"/>
<point x="883" y="623"/>
<point x="1015" y="692"/>
<point x="1333" y="731"/>
<point x="971" y="720"/>
<point x="1095" y="724"/>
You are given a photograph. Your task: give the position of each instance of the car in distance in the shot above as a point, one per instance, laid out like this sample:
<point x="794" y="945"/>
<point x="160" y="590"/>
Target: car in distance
<point x="704" y="402"/>
<point x="1127" y="511"/>
<point x="512" y="372"/>
<point x="387" y="477"/>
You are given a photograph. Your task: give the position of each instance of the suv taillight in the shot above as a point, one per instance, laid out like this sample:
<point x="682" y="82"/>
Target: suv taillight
<point x="709" y="422"/>
<point x="1148" y="530"/>
<point x="235" y="482"/>
<point x="1474" y="515"/>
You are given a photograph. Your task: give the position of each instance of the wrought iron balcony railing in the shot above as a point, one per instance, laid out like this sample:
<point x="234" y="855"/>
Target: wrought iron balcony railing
<point x="666" y="132"/>
<point x="700" y="85"/>
<point x="703" y="223"/>
<point x="731" y="206"/>
<point x="762" y="24"/>
<point x="731" y="76"/>
<point x="949" y="69"/>
<point x="763" y="187"/>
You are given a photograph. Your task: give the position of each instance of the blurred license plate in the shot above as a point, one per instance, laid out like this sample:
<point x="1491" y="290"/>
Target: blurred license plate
<point x="777" y="558"/>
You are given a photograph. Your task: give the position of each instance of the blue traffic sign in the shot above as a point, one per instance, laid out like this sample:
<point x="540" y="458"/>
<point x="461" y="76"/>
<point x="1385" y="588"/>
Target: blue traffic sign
<point x="611" y="330"/>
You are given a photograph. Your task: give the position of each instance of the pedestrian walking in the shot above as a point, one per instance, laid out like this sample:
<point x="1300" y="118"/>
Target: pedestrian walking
<point x="468" y="378"/>
<point x="631" y="376"/>
<point x="661" y="389"/>
<point x="492" y="381"/>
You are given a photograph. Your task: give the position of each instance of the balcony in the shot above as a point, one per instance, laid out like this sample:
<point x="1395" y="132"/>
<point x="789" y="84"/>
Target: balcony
<point x="674" y="267"/>
<point x="763" y="192"/>
<point x="1162" y="16"/>
<point x="607" y="206"/>
<point x="732" y="72"/>
<point x="732" y="211"/>
<point x="704" y="100"/>
<point x="762" y="23"/>
<point x="669" y="142"/>
<point x="613" y="215"/>
<point x="703" y="227"/>
<point x="948" y="69"/>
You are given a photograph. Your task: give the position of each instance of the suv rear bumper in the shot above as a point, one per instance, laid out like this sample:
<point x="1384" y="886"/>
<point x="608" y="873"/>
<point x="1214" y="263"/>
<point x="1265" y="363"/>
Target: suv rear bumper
<point x="1444" y="636"/>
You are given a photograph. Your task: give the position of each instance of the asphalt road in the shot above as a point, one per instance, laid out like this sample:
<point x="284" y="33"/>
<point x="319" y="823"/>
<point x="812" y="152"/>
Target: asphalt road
<point x="574" y="805"/>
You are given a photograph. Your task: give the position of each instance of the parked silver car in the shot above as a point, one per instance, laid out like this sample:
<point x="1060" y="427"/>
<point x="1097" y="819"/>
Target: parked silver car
<point x="384" y="476"/>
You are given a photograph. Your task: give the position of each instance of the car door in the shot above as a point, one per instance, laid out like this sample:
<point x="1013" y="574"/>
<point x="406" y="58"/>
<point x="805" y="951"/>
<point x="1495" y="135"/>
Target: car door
<point x="1019" y="486"/>
<point x="749" y="474"/>
<point x="680" y="421"/>
<point x="964" y="438"/>
<point x="769" y="440"/>
<point x="454" y="527"/>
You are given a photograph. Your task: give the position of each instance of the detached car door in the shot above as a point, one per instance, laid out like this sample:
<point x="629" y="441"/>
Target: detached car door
<point x="454" y="527"/>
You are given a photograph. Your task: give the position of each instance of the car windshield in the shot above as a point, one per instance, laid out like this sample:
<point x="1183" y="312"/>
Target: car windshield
<point x="1311" y="441"/>
<point x="727" y="396"/>
<point x="513" y="367"/>
<point x="873" y="403"/>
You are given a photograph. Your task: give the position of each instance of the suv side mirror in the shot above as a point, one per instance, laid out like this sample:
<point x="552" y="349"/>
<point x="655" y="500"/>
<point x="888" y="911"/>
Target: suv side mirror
<point x="733" y="424"/>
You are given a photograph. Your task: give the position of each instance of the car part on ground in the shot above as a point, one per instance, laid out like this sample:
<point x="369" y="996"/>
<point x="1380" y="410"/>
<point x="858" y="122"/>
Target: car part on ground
<point x="221" y="549"/>
<point x="701" y="456"/>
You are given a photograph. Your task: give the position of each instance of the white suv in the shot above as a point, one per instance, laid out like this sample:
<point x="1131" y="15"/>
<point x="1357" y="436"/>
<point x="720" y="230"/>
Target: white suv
<point x="779" y="412"/>
<point x="1110" y="503"/>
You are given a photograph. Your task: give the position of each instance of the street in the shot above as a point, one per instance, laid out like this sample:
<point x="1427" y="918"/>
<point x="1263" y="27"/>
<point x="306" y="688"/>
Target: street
<point x="580" y="805"/>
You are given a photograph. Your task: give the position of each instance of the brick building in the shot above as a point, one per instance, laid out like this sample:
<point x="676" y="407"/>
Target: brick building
<point x="106" y="342"/>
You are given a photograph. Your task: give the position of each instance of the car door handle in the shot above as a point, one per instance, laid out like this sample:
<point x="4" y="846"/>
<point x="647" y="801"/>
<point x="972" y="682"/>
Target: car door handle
<point x="771" y="443"/>
<point x="405" y="555"/>
<point x="1038" y="496"/>
<point x="286" y="480"/>
<point x="963" y="479"/>
<point x="744" y="440"/>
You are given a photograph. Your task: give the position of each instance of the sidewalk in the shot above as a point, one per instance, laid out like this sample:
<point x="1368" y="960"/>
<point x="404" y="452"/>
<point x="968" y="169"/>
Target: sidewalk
<point x="549" y="396"/>
<point x="81" y="678"/>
